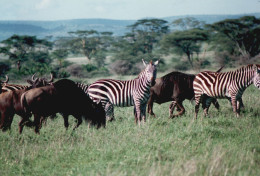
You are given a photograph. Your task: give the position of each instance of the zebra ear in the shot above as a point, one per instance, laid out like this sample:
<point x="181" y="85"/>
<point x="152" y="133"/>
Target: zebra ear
<point x="156" y="62"/>
<point x="256" y="68"/>
<point x="98" y="101"/>
<point x="145" y="63"/>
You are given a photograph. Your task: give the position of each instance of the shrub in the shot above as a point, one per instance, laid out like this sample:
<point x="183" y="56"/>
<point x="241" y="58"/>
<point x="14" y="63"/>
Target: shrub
<point x="75" y="70"/>
<point x="123" y="67"/>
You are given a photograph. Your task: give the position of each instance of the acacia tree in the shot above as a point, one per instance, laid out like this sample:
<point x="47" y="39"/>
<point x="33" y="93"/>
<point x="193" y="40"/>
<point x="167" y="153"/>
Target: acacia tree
<point x="145" y="33"/>
<point x="22" y="48"/>
<point x="89" y="42"/>
<point x="188" y="23"/>
<point x="185" y="42"/>
<point x="243" y="33"/>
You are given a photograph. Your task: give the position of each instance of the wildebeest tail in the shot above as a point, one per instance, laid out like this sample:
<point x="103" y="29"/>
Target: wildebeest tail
<point x="24" y="103"/>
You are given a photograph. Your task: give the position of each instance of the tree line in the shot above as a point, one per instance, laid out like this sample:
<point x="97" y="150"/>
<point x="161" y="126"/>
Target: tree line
<point x="186" y="40"/>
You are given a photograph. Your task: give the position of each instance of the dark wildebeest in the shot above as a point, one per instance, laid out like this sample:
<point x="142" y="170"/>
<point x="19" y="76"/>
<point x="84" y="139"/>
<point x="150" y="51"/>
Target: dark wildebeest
<point x="175" y="87"/>
<point x="10" y="103"/>
<point x="64" y="97"/>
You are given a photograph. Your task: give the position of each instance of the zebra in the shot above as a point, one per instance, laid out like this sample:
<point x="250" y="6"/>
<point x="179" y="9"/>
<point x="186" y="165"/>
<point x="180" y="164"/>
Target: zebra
<point x="230" y="85"/>
<point x="34" y="81"/>
<point x="134" y="92"/>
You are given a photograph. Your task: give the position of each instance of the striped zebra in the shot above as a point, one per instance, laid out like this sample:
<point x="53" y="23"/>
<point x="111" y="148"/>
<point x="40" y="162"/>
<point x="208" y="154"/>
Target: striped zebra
<point x="230" y="85"/>
<point x="36" y="82"/>
<point x="125" y="93"/>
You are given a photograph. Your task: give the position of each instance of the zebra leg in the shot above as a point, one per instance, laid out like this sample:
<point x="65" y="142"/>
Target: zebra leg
<point x="171" y="108"/>
<point x="234" y="104"/>
<point x="197" y="106"/>
<point x="137" y="111"/>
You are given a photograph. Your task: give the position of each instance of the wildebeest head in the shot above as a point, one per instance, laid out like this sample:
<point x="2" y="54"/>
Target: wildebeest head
<point x="151" y="71"/>
<point x="100" y="119"/>
<point x="39" y="82"/>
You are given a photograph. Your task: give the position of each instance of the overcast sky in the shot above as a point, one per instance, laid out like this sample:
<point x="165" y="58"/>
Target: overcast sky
<point x="119" y="9"/>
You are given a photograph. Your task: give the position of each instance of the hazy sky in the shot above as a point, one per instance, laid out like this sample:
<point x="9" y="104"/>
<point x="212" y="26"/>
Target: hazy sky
<point x="119" y="9"/>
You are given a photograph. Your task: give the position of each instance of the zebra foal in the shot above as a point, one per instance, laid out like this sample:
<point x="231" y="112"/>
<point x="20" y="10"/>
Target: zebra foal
<point x="230" y="85"/>
<point x="134" y="92"/>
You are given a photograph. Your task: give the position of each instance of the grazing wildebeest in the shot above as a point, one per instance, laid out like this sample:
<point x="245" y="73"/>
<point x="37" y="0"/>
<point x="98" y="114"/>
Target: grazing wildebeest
<point x="10" y="103"/>
<point x="175" y="87"/>
<point x="65" y="97"/>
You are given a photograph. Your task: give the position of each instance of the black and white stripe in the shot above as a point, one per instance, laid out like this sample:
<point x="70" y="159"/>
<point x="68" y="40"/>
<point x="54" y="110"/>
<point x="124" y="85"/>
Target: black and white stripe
<point x="125" y="93"/>
<point x="229" y="85"/>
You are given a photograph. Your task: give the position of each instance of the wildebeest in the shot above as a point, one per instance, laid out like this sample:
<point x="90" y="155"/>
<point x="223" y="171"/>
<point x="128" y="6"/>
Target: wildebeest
<point x="175" y="87"/>
<point x="10" y="103"/>
<point x="64" y="97"/>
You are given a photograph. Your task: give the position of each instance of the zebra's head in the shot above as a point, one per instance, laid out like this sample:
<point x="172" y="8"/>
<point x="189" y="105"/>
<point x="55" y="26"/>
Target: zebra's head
<point x="256" y="79"/>
<point x="150" y="71"/>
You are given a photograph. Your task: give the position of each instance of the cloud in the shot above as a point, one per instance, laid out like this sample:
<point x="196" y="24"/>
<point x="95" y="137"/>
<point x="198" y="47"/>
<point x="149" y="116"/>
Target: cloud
<point x="43" y="4"/>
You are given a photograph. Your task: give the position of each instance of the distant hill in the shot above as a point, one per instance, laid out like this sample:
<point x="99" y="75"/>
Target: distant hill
<point x="59" y="28"/>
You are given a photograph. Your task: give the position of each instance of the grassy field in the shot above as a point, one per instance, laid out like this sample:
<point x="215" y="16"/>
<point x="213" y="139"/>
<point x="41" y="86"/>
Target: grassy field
<point x="220" y="145"/>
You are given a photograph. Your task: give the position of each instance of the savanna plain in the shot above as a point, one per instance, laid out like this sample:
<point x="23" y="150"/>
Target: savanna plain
<point x="219" y="145"/>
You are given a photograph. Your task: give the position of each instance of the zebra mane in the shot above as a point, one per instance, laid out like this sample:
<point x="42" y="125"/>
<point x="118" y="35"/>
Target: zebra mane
<point x="245" y="68"/>
<point x="140" y="74"/>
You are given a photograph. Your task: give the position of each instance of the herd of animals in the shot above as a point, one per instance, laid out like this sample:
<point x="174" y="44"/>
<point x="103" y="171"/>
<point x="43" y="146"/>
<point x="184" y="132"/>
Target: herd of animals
<point x="95" y="102"/>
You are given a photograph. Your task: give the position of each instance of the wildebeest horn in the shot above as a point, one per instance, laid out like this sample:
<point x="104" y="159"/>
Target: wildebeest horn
<point x="6" y="79"/>
<point x="33" y="77"/>
<point x="51" y="79"/>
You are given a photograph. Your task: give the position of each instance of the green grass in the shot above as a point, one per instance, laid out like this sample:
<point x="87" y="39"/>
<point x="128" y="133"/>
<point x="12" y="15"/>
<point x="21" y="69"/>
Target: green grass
<point x="220" y="145"/>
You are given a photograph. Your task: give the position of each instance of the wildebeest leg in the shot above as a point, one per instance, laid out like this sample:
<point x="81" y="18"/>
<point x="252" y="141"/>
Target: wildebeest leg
<point x="79" y="119"/>
<point x="215" y="103"/>
<point x="206" y="101"/>
<point x="6" y="120"/>
<point x="43" y="121"/>
<point x="150" y="106"/>
<point x="171" y="108"/>
<point x="25" y="121"/>
<point x="37" y="123"/>
<point x="182" y="109"/>
<point x="66" y="120"/>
